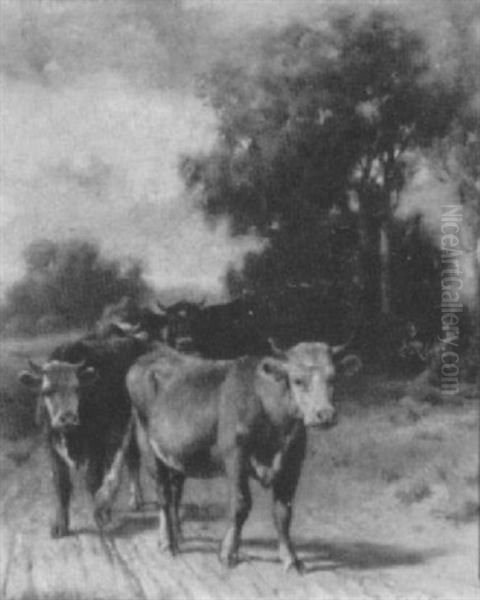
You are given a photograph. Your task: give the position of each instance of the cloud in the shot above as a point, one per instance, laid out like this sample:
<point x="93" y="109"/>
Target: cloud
<point x="97" y="105"/>
<point x="96" y="109"/>
<point x="99" y="159"/>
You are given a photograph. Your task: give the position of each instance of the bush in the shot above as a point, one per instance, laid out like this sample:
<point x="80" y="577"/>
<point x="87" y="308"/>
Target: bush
<point x="66" y="284"/>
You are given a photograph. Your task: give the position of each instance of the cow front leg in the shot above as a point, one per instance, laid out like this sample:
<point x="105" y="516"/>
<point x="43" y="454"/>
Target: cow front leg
<point x="284" y="487"/>
<point x="177" y="481"/>
<point x="62" y="486"/>
<point x="167" y="540"/>
<point x="240" y="505"/>
<point x="132" y="458"/>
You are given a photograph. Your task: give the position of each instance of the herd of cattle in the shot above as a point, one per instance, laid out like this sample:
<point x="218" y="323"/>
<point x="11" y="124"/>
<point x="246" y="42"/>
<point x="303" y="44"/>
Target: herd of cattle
<point x="193" y="392"/>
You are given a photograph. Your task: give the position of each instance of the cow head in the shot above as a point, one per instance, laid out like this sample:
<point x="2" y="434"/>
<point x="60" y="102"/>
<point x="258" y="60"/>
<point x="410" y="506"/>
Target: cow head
<point x="181" y="320"/>
<point x="308" y="371"/>
<point x="59" y="384"/>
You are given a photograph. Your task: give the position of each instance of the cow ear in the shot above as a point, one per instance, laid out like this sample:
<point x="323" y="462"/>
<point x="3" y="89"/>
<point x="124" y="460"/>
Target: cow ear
<point x="350" y="365"/>
<point x="87" y="376"/>
<point x="273" y="369"/>
<point x="30" y="380"/>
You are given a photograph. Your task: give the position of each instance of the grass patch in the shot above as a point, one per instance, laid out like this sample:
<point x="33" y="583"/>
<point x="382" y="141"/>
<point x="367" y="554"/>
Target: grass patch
<point x="427" y="459"/>
<point x="414" y="491"/>
<point x="468" y="512"/>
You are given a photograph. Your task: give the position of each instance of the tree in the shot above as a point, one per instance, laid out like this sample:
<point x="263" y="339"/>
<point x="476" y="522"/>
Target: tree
<point x="67" y="284"/>
<point x="317" y="116"/>
<point x="400" y="108"/>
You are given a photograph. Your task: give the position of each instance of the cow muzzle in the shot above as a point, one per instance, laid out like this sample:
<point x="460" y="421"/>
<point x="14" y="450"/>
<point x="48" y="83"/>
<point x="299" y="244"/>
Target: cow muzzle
<point x="184" y="344"/>
<point x="67" y="420"/>
<point x="325" y="418"/>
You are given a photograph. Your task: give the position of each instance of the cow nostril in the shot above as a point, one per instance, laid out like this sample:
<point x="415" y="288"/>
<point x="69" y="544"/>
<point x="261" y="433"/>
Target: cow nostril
<point x="69" y="419"/>
<point x="327" y="416"/>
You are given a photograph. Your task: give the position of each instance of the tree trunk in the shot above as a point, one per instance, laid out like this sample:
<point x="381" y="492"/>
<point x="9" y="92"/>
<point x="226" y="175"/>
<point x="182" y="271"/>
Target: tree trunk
<point x="385" y="290"/>
<point x="371" y="302"/>
<point x="476" y="313"/>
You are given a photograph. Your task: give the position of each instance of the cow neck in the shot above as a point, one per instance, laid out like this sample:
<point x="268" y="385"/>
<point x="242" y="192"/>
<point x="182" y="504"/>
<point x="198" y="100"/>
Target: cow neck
<point x="275" y="440"/>
<point x="280" y="422"/>
<point x="281" y="419"/>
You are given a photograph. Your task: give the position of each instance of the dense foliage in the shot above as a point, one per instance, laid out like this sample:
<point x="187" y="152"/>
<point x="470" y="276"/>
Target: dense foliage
<point x="66" y="284"/>
<point x="319" y="130"/>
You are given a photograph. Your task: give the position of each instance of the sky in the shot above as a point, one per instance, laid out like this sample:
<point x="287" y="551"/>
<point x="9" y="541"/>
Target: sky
<point x="96" y="109"/>
<point x="97" y="106"/>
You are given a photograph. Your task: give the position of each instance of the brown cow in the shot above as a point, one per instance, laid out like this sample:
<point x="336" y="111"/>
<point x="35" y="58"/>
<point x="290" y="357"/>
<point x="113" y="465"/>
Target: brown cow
<point x="245" y="417"/>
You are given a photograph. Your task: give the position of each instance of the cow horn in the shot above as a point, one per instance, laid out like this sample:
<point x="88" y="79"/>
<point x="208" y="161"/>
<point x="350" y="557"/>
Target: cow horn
<point x="79" y="365"/>
<point x="336" y="350"/>
<point x="275" y="349"/>
<point x="162" y="307"/>
<point x="127" y="328"/>
<point x="35" y="367"/>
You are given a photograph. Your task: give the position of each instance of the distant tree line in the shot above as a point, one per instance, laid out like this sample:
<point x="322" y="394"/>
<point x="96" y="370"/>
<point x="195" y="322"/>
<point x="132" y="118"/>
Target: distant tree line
<point x="66" y="285"/>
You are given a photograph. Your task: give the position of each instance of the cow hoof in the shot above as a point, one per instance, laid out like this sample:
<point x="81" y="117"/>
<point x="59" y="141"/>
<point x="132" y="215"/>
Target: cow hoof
<point x="230" y="560"/>
<point x="102" y="516"/>
<point x="295" y="565"/>
<point x="58" y="530"/>
<point x="166" y="547"/>
<point x="135" y="505"/>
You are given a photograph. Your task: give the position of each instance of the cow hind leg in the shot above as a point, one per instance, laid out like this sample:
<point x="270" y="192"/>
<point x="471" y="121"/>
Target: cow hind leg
<point x="132" y="459"/>
<point x="63" y="491"/>
<point x="117" y="448"/>
<point x="167" y="540"/>
<point x="240" y="505"/>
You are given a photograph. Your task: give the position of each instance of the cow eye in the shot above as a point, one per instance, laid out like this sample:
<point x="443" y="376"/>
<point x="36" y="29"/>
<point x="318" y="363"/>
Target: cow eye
<point x="299" y="382"/>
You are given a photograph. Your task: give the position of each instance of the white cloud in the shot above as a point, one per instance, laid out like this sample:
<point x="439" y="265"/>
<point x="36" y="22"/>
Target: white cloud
<point x="99" y="158"/>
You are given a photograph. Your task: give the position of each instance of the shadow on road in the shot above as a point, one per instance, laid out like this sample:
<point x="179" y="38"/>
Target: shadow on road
<point x="318" y="554"/>
<point x="321" y="554"/>
<point x="324" y="555"/>
<point x="203" y="513"/>
<point x="131" y="524"/>
<point x="127" y="524"/>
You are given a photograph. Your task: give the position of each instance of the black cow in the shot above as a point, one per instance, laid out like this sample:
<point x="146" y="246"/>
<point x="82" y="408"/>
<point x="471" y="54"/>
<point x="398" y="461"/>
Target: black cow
<point x="181" y="320"/>
<point x="85" y="411"/>
<point x="245" y="417"/>
<point x="128" y="315"/>
<point x="217" y="331"/>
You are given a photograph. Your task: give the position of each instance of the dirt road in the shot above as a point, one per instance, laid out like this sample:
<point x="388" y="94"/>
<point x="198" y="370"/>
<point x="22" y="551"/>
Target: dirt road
<point x="356" y="539"/>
